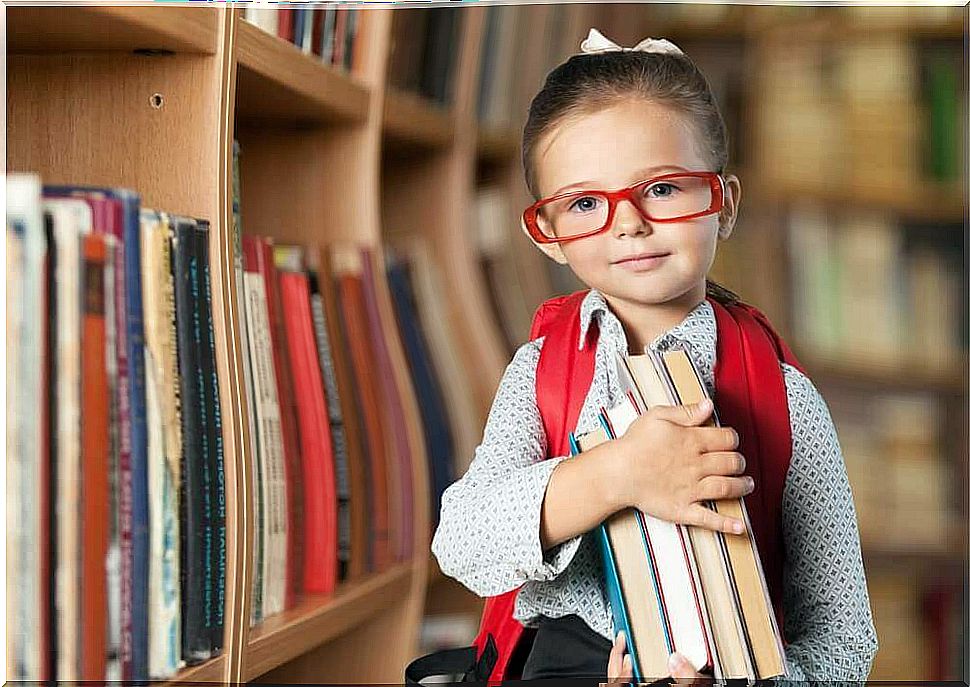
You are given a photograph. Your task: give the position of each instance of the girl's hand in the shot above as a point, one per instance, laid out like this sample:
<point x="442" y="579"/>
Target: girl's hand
<point x="683" y="672"/>
<point x="670" y="465"/>
<point x="619" y="668"/>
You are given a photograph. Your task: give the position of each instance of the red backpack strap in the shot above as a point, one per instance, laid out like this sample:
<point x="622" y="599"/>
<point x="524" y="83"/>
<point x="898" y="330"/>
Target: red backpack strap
<point x="563" y="377"/>
<point x="564" y="372"/>
<point x="751" y="396"/>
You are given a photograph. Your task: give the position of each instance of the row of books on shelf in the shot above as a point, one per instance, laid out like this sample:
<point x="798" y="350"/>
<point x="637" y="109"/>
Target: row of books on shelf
<point x="327" y="33"/>
<point x="902" y="477"/>
<point x="676" y="587"/>
<point x="423" y="53"/>
<point x="872" y="291"/>
<point x="491" y="227"/>
<point x="116" y="477"/>
<point x="877" y="113"/>
<point x="511" y="70"/>
<point x="330" y="430"/>
<point x="117" y="485"/>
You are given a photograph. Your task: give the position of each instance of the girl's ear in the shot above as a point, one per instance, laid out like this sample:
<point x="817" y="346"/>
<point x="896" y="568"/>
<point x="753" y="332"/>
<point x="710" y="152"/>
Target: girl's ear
<point x="552" y="250"/>
<point x="729" y="213"/>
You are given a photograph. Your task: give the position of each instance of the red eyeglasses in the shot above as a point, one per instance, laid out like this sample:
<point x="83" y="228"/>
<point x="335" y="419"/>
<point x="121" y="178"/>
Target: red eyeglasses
<point x="666" y="198"/>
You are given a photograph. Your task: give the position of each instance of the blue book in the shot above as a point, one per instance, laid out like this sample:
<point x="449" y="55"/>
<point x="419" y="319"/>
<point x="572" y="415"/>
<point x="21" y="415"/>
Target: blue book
<point x="437" y="431"/>
<point x="644" y="668"/>
<point x="621" y="619"/>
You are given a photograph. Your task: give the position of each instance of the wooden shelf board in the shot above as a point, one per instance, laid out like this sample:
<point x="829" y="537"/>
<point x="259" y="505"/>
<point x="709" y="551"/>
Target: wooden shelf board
<point x="317" y="619"/>
<point x="276" y="81"/>
<point x="933" y="202"/>
<point x="34" y="29"/>
<point x="836" y="27"/>
<point x="496" y="144"/>
<point x="903" y="377"/>
<point x="885" y="545"/>
<point x="213" y="670"/>
<point x="411" y="121"/>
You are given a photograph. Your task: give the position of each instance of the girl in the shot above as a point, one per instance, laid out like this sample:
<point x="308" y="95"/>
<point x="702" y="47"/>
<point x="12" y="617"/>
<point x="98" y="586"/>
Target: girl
<point x="642" y="123"/>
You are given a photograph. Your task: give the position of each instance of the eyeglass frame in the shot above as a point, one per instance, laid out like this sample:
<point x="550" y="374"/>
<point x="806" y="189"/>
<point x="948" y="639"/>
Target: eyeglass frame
<point x="613" y="197"/>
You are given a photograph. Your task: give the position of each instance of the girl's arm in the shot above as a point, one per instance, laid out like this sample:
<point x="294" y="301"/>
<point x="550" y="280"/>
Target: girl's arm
<point x="488" y="535"/>
<point x="828" y="621"/>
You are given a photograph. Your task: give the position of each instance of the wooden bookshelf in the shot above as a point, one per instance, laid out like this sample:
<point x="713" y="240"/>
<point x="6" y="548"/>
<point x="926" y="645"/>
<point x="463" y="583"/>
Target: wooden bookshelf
<point x="152" y="97"/>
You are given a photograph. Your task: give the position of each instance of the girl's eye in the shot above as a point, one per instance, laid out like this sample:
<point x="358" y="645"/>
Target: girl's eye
<point x="584" y="204"/>
<point x="661" y="190"/>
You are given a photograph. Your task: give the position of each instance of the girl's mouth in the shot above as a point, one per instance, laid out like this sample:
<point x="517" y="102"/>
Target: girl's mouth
<point x="642" y="262"/>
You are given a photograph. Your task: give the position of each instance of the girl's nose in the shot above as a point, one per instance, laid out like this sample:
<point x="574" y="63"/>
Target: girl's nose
<point x="627" y="220"/>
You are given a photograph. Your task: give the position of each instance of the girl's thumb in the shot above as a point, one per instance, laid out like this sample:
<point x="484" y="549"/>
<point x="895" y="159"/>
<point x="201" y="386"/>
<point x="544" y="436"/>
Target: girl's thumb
<point x="690" y="414"/>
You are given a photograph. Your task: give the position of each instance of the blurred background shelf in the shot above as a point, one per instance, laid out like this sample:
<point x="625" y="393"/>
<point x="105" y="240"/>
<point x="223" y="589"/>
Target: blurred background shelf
<point x="413" y="122"/>
<point x="277" y="81"/>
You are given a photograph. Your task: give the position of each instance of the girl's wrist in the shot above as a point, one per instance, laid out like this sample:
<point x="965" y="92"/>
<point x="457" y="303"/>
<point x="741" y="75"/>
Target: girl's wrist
<point x="613" y="473"/>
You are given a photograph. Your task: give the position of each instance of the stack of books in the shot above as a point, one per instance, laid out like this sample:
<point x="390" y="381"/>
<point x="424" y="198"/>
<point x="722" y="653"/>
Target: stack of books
<point x="677" y="587"/>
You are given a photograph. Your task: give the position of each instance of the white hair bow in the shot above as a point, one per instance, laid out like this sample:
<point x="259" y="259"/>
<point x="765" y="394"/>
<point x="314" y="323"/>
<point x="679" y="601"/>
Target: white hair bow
<point x="596" y="42"/>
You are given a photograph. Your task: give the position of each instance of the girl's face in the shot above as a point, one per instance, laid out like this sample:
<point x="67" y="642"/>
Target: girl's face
<point x="615" y="148"/>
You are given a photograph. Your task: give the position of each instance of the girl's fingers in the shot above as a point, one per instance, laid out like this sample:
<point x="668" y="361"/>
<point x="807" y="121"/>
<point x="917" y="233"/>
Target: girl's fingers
<point x="614" y="667"/>
<point x="705" y="517"/>
<point x="683" y="672"/>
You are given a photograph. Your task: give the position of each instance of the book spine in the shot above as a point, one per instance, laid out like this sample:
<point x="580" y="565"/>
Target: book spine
<point x="112" y="566"/>
<point x="288" y="423"/>
<point x="65" y="332"/>
<point x="164" y="636"/>
<point x="320" y="566"/>
<point x="400" y="460"/>
<point x="196" y="528"/>
<point x="336" y="430"/>
<point x="256" y="602"/>
<point x="215" y="451"/>
<point x="95" y="446"/>
<point x="356" y="338"/>
<point x="138" y="456"/>
<point x="48" y="470"/>
<point x="273" y="486"/>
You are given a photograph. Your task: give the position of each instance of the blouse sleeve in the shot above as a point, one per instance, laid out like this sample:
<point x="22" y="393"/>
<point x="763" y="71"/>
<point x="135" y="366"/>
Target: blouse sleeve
<point x="488" y="530"/>
<point x="828" y="620"/>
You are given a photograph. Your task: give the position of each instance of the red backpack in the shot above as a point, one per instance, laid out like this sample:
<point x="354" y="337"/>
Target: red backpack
<point x="746" y="368"/>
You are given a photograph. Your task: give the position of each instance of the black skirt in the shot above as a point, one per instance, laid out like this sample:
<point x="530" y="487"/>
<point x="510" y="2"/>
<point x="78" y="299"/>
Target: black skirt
<point x="567" y="647"/>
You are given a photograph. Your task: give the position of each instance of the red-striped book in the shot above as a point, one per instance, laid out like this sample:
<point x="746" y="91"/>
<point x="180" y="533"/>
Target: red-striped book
<point x="319" y="480"/>
<point x="263" y="258"/>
